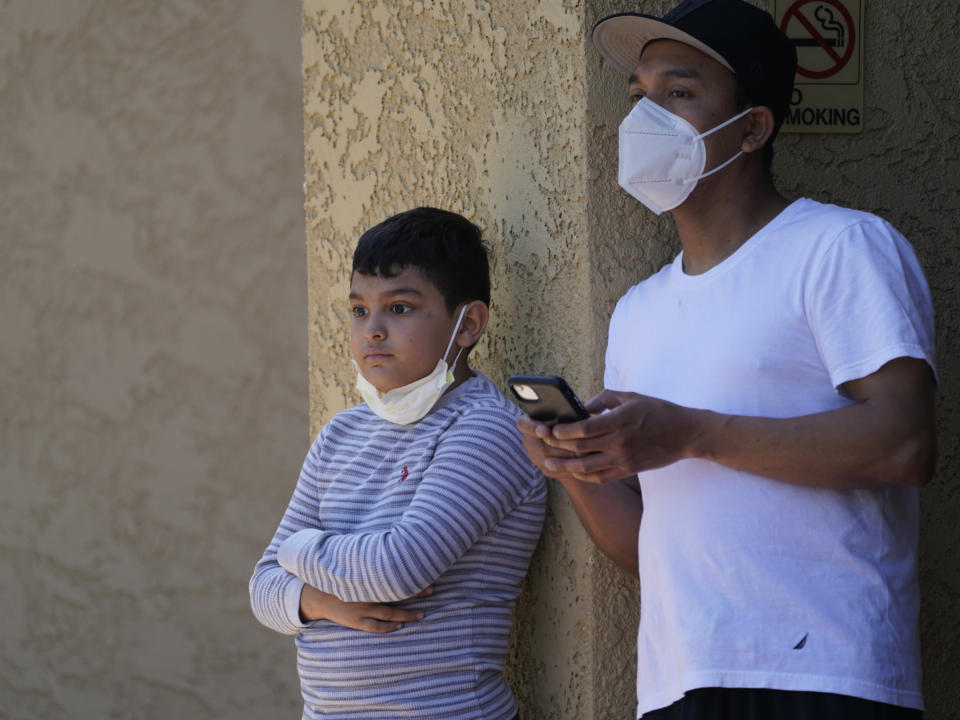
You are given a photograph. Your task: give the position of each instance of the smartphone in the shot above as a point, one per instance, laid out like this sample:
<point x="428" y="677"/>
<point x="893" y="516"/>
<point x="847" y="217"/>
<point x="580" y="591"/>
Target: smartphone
<point x="547" y="398"/>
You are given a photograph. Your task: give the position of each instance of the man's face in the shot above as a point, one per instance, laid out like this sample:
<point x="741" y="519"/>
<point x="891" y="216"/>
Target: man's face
<point x="694" y="86"/>
<point x="400" y="327"/>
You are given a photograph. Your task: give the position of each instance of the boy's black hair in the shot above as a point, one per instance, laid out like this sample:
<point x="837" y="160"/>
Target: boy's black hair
<point x="444" y="246"/>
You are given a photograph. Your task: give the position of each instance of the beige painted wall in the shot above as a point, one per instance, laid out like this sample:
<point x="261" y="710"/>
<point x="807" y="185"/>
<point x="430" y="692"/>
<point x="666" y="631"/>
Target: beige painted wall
<point x="502" y="111"/>
<point x="153" y="353"/>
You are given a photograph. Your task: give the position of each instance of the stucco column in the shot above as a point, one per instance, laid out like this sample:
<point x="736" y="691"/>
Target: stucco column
<point x="481" y="108"/>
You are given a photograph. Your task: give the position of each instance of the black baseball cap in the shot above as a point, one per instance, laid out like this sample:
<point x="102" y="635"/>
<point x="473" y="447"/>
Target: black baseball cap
<point x="741" y="37"/>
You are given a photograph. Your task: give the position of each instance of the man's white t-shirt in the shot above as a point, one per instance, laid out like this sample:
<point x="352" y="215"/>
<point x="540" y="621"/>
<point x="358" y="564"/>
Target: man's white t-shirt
<point x="746" y="581"/>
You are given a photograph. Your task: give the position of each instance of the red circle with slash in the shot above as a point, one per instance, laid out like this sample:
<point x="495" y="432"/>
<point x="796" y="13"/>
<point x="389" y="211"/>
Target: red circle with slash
<point x="839" y="61"/>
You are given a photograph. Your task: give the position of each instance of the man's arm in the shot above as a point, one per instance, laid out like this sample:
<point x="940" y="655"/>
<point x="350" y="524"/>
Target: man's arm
<point x="886" y="437"/>
<point x="609" y="512"/>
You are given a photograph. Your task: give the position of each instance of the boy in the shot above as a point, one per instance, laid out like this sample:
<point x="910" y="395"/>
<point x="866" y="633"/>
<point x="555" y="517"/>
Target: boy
<point x="422" y="496"/>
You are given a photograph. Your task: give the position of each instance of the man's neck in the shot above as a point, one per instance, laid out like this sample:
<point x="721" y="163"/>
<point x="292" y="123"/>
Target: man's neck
<point x="713" y="224"/>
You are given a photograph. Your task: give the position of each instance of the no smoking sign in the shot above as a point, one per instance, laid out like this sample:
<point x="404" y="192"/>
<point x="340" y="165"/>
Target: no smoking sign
<point x="828" y="90"/>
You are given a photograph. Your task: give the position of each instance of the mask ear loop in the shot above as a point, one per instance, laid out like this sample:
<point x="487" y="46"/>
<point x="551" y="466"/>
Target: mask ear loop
<point x="722" y="125"/>
<point x="721" y="166"/>
<point x="453" y="337"/>
<point x="718" y="168"/>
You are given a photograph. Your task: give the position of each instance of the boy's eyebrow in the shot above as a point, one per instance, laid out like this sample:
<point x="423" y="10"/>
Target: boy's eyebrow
<point x="391" y="291"/>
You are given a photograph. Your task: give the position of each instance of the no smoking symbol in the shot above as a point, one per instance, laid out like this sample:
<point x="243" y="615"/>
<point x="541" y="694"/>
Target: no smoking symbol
<point x="824" y="35"/>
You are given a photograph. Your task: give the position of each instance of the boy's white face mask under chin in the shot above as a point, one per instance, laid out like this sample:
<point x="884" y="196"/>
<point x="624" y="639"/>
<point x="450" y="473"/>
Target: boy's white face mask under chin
<point x="407" y="404"/>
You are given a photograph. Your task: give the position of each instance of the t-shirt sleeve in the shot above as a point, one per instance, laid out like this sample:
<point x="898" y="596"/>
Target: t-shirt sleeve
<point x="478" y="474"/>
<point x="612" y="378"/>
<point x="868" y="302"/>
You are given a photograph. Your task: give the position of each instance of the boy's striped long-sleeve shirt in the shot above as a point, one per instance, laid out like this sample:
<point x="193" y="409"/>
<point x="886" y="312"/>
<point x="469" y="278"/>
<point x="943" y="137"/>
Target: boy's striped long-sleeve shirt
<point x="382" y="511"/>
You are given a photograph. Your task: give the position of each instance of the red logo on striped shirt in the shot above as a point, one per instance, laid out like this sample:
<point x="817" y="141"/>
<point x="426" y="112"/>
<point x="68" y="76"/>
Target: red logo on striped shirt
<point x="404" y="474"/>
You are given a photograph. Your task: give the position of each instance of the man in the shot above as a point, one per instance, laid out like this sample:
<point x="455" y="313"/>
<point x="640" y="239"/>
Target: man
<point x="770" y="395"/>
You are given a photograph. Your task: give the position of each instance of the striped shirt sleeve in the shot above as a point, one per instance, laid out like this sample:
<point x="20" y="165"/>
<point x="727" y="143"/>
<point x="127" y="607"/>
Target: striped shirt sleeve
<point x="275" y="592"/>
<point x="478" y="474"/>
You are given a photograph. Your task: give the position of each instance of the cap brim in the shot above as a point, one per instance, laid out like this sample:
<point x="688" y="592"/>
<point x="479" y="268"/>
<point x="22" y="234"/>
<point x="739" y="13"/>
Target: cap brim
<point x="620" y="39"/>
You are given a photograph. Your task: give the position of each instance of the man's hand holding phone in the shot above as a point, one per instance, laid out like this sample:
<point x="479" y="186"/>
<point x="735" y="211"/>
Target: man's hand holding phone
<point x="625" y="434"/>
<point x="547" y="401"/>
<point x="542" y="454"/>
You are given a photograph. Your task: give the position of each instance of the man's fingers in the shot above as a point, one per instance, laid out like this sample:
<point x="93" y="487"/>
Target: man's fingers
<point x="575" y="447"/>
<point x="605" y="400"/>
<point x="537" y="448"/>
<point x="531" y="427"/>
<point x="581" y="466"/>
<point x="559" y="452"/>
<point x="603" y="477"/>
<point x="593" y="426"/>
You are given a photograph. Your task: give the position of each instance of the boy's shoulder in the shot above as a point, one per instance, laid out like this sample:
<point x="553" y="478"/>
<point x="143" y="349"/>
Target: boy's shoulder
<point x="477" y="400"/>
<point x="479" y="392"/>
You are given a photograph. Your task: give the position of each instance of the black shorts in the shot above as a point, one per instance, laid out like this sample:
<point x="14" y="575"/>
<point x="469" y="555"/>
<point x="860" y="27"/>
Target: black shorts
<point x="750" y="704"/>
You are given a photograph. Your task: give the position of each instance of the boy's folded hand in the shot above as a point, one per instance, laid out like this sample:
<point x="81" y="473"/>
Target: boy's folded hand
<point x="369" y="617"/>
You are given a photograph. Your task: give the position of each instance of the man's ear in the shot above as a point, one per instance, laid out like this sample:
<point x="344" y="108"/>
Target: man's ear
<point x="760" y="124"/>
<point x="474" y="322"/>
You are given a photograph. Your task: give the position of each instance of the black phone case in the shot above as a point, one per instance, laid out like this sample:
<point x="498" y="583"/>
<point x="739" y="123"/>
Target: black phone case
<point x="556" y="401"/>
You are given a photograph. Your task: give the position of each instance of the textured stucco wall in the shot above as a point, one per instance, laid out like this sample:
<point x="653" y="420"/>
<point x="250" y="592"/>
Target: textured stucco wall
<point x="153" y="353"/>
<point x="503" y="111"/>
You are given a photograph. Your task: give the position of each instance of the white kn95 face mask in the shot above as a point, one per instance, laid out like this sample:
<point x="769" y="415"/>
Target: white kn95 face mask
<point x="409" y="403"/>
<point x="662" y="155"/>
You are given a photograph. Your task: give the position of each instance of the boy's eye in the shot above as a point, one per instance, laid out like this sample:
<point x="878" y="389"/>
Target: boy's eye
<point x="399" y="308"/>
<point x="358" y="311"/>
